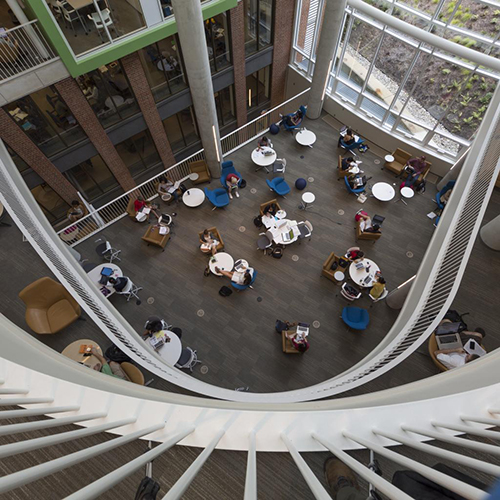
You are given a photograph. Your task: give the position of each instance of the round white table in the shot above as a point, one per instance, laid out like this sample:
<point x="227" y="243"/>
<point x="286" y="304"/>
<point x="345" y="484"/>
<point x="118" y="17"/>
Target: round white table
<point x="406" y="192"/>
<point x="223" y="261"/>
<point x="262" y="160"/>
<point x="114" y="101"/>
<point x="359" y="275"/>
<point x="95" y="275"/>
<point x="339" y="275"/>
<point x="383" y="191"/>
<point x="72" y="351"/>
<point x="305" y="137"/>
<point x="164" y="65"/>
<point x="171" y="351"/>
<point x="194" y="176"/>
<point x="280" y="214"/>
<point x="307" y="199"/>
<point x="389" y="158"/>
<point x="193" y="197"/>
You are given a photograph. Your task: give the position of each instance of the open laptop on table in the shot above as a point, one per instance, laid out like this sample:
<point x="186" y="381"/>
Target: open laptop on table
<point x="447" y="336"/>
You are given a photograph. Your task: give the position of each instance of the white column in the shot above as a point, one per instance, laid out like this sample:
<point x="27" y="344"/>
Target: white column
<point x="490" y="233"/>
<point x="397" y="297"/>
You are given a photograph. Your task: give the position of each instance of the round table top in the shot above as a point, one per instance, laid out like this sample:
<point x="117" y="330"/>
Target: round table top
<point x="193" y="197"/>
<point x="163" y="64"/>
<point x="280" y="214"/>
<point x="72" y="351"/>
<point x="223" y="261"/>
<point x="359" y="275"/>
<point x="339" y="275"/>
<point x="389" y="158"/>
<point x="308" y="197"/>
<point x="305" y="137"/>
<point x="95" y="275"/>
<point x="260" y="159"/>
<point x="407" y="192"/>
<point x="170" y="351"/>
<point x="116" y="100"/>
<point x="71" y="234"/>
<point x="383" y="191"/>
<point x="194" y="176"/>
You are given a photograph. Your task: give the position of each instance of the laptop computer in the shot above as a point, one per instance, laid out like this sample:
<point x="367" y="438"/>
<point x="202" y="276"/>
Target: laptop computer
<point x="303" y="329"/>
<point x="449" y="341"/>
<point x="447" y="328"/>
<point x="378" y="219"/>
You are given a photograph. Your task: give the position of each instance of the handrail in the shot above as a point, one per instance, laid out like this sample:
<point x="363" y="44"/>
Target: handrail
<point x="431" y="294"/>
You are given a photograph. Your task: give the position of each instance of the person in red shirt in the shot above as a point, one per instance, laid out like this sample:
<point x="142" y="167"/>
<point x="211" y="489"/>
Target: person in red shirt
<point x="140" y="204"/>
<point x="232" y="181"/>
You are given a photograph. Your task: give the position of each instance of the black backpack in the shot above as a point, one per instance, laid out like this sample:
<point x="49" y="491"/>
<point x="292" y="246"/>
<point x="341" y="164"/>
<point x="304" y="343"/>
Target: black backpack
<point x="148" y="489"/>
<point x="421" y="187"/>
<point x="113" y="353"/>
<point x="243" y="183"/>
<point x="225" y="291"/>
<point x="258" y="221"/>
<point x="277" y="253"/>
<point x="281" y="325"/>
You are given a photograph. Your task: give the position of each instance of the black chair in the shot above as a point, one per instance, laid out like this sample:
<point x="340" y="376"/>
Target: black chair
<point x="89" y="266"/>
<point x="177" y="331"/>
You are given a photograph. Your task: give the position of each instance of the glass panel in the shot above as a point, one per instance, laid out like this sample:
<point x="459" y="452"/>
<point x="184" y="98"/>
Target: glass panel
<point x="181" y="129"/>
<point x="217" y="38"/>
<point x="52" y="205"/>
<point x="109" y="94"/>
<point x="258" y="88"/>
<point x="347" y="93"/>
<point x="265" y="23"/>
<point x="374" y="109"/>
<point x="258" y="24"/>
<point x="224" y="100"/>
<point x="84" y="24"/>
<point x="251" y="21"/>
<point x="138" y="152"/>
<point x="444" y="144"/>
<point x="188" y="124"/>
<point x="412" y="129"/>
<point x="163" y="67"/>
<point x="19" y="162"/>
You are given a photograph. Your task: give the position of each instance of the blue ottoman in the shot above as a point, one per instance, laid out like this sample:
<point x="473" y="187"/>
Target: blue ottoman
<point x="274" y="129"/>
<point x="300" y="183"/>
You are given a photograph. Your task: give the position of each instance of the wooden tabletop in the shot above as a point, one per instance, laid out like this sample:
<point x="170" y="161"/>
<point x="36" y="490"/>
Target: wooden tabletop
<point x="79" y="4"/>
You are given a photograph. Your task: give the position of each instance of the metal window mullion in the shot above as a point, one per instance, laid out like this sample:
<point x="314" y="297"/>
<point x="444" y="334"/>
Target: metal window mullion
<point x="98" y="10"/>
<point x="251" y="472"/>
<point x="346" y="41"/>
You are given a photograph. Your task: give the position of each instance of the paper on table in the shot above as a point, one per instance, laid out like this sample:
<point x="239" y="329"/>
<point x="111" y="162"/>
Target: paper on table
<point x="431" y="215"/>
<point x="146" y="210"/>
<point x="163" y="230"/>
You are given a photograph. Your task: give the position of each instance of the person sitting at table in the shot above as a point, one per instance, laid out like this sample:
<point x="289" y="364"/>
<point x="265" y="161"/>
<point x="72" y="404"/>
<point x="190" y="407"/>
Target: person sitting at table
<point x="243" y="277"/>
<point x="154" y="324"/>
<point x="378" y="287"/>
<point x="348" y="138"/>
<point x="166" y="186"/>
<point x="298" y="341"/>
<point x="76" y="212"/>
<point x="294" y="119"/>
<point x="271" y="209"/>
<point x="454" y="358"/>
<point x="232" y="181"/>
<point x="414" y="167"/>
<point x="112" y="368"/>
<point x="365" y="223"/>
<point x="357" y="181"/>
<point x="348" y="163"/>
<point x="264" y="142"/>
<point x="119" y="283"/>
<point x="354" y="254"/>
<point x="208" y="242"/>
<point x="140" y="205"/>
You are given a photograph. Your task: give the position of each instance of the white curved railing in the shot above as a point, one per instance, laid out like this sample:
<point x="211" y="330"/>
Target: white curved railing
<point x="464" y="401"/>
<point x="431" y="294"/>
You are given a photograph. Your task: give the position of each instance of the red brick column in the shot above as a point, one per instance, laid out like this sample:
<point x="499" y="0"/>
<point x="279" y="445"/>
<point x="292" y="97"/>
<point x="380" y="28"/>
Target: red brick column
<point x="77" y="103"/>
<point x="34" y="158"/>
<point x="282" y="44"/>
<point x="140" y="86"/>
<point x="237" y="21"/>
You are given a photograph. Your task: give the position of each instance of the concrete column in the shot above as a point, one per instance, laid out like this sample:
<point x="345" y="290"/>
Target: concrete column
<point x="191" y="33"/>
<point x="452" y="174"/>
<point x="397" y="297"/>
<point x="490" y="233"/>
<point x="325" y="53"/>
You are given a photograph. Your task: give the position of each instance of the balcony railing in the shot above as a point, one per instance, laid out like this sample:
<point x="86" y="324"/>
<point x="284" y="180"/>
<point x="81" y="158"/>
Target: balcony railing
<point x="23" y="48"/>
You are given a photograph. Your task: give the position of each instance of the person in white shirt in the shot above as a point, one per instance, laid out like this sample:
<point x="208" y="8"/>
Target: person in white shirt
<point x="243" y="277"/>
<point x="166" y="186"/>
<point x="454" y="358"/>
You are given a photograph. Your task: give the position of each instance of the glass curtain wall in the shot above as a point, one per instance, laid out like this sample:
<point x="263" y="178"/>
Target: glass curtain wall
<point x="218" y="43"/>
<point x="88" y="25"/>
<point x="108" y="92"/>
<point x="258" y="89"/>
<point x="47" y="121"/>
<point x="258" y="24"/>
<point x="412" y="90"/>
<point x="224" y="103"/>
<point x="181" y="129"/>
<point x="139" y="153"/>
<point x="164" y="68"/>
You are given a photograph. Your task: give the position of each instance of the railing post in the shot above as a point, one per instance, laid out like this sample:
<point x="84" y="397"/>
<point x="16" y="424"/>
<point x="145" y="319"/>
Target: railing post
<point x="251" y="477"/>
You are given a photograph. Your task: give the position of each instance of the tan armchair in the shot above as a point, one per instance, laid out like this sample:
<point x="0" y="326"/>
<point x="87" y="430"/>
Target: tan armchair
<point x="264" y="205"/>
<point x="133" y="373"/>
<point x="287" y="344"/>
<point x="201" y="168"/>
<point x="216" y="235"/>
<point x="49" y="306"/>
<point x="362" y="235"/>
<point x="130" y="208"/>
<point x="327" y="270"/>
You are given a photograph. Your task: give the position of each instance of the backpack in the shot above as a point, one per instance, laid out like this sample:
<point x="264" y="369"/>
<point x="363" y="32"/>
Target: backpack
<point x="243" y="183"/>
<point x="421" y="187"/>
<point x="113" y="353"/>
<point x="277" y="253"/>
<point x="281" y="325"/>
<point x="148" y="489"/>
<point x="343" y="262"/>
<point x="225" y="291"/>
<point x="455" y="317"/>
<point x="258" y="221"/>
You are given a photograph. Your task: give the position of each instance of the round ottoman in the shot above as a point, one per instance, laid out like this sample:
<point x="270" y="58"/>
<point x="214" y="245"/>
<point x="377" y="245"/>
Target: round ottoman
<point x="274" y="129"/>
<point x="300" y="184"/>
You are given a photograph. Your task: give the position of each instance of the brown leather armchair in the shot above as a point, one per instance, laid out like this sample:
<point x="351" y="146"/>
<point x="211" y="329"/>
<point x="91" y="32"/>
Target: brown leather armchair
<point x="362" y="235"/>
<point x="201" y="168"/>
<point x="49" y="306"/>
<point x="133" y="373"/>
<point x="327" y="270"/>
<point x="287" y="344"/>
<point x="216" y="235"/>
<point x="264" y="205"/>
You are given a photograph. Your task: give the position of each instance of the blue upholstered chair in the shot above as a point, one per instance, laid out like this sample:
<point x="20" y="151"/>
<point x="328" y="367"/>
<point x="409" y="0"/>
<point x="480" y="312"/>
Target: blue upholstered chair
<point x="351" y="147"/>
<point x="244" y="287"/>
<point x="353" y="190"/>
<point x="303" y="110"/>
<point x="227" y="168"/>
<point x="440" y="205"/>
<point x="355" y="317"/>
<point x="217" y="197"/>
<point x="279" y="186"/>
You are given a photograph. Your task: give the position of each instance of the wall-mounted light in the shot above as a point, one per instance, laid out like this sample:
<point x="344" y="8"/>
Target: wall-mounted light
<point x="406" y="282"/>
<point x="327" y="78"/>
<point x="216" y="143"/>
<point x="249" y="98"/>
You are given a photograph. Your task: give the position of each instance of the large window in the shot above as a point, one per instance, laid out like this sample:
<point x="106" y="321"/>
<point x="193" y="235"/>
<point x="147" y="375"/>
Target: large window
<point x="162" y="63"/>
<point x="88" y="25"/>
<point x="139" y="153"/>
<point x="46" y="119"/>
<point x="181" y="129"/>
<point x="411" y="89"/>
<point x="258" y="24"/>
<point x="258" y="89"/>
<point x="224" y="103"/>
<point x="218" y="44"/>
<point x="108" y="92"/>
<point x="52" y="205"/>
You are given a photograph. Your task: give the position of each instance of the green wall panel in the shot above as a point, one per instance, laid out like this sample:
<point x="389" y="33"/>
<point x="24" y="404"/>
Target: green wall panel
<point x="114" y="51"/>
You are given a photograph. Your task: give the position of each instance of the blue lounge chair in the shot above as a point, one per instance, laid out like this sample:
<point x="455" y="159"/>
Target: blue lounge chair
<point x="353" y="190"/>
<point x="217" y="197"/>
<point x="244" y="287"/>
<point x="351" y="147"/>
<point x="449" y="185"/>
<point x="303" y="110"/>
<point x="227" y="168"/>
<point x="279" y="186"/>
<point x="355" y="317"/>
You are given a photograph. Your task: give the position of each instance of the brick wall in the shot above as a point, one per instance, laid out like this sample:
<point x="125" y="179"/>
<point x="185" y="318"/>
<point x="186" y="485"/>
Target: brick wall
<point x="237" y="21"/>
<point x="301" y="35"/>
<point x="77" y="103"/>
<point x="283" y="35"/>
<point x="34" y="158"/>
<point x="140" y="86"/>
